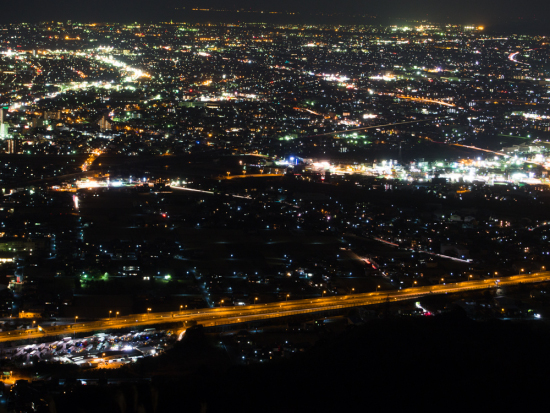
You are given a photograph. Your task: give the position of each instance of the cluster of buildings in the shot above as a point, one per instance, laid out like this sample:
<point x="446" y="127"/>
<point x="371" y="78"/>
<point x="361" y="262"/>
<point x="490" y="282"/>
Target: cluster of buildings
<point x="174" y="88"/>
<point x="171" y="166"/>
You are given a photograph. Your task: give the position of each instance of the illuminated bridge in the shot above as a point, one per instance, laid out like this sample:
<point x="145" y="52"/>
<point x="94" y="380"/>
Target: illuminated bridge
<point x="220" y="316"/>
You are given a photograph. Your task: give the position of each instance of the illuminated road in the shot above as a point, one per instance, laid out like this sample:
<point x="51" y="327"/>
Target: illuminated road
<point x="219" y="316"/>
<point x="481" y="149"/>
<point x="468" y="147"/>
<point x="425" y="100"/>
<point x="252" y="176"/>
<point x="202" y="191"/>
<point x="512" y="57"/>
<point x="393" y="244"/>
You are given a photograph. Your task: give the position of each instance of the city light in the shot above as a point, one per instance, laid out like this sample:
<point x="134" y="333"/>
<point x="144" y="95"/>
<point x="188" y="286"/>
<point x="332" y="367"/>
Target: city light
<point x="365" y="170"/>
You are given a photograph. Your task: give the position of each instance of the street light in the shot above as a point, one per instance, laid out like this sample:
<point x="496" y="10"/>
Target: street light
<point x="442" y="280"/>
<point x="117" y="314"/>
<point x="414" y="283"/>
<point x="255" y="299"/>
<point x="221" y="303"/>
<point x="75" y="318"/>
<point x="496" y="273"/>
<point x="287" y="297"/>
<point x="322" y="295"/>
<point x="377" y="287"/>
<point x="181" y="308"/>
<point x="148" y="310"/>
<point x="110" y="314"/>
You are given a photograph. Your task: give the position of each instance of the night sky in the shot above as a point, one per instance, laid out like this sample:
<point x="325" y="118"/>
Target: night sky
<point x="487" y="12"/>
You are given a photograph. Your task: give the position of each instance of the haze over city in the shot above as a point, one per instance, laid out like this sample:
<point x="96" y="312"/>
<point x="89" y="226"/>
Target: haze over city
<point x="503" y="14"/>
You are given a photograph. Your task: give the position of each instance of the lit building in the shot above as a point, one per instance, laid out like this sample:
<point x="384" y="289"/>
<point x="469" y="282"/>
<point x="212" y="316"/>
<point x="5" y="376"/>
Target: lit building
<point x="3" y="124"/>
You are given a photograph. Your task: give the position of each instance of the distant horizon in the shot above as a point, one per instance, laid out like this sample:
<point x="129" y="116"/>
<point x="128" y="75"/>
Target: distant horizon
<point x="529" y="16"/>
<point x="529" y="27"/>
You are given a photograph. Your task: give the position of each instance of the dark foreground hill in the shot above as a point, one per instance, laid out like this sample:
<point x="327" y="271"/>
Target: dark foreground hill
<point x="444" y="363"/>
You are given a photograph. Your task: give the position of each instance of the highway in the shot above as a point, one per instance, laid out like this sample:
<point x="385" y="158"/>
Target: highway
<point x="209" y="317"/>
